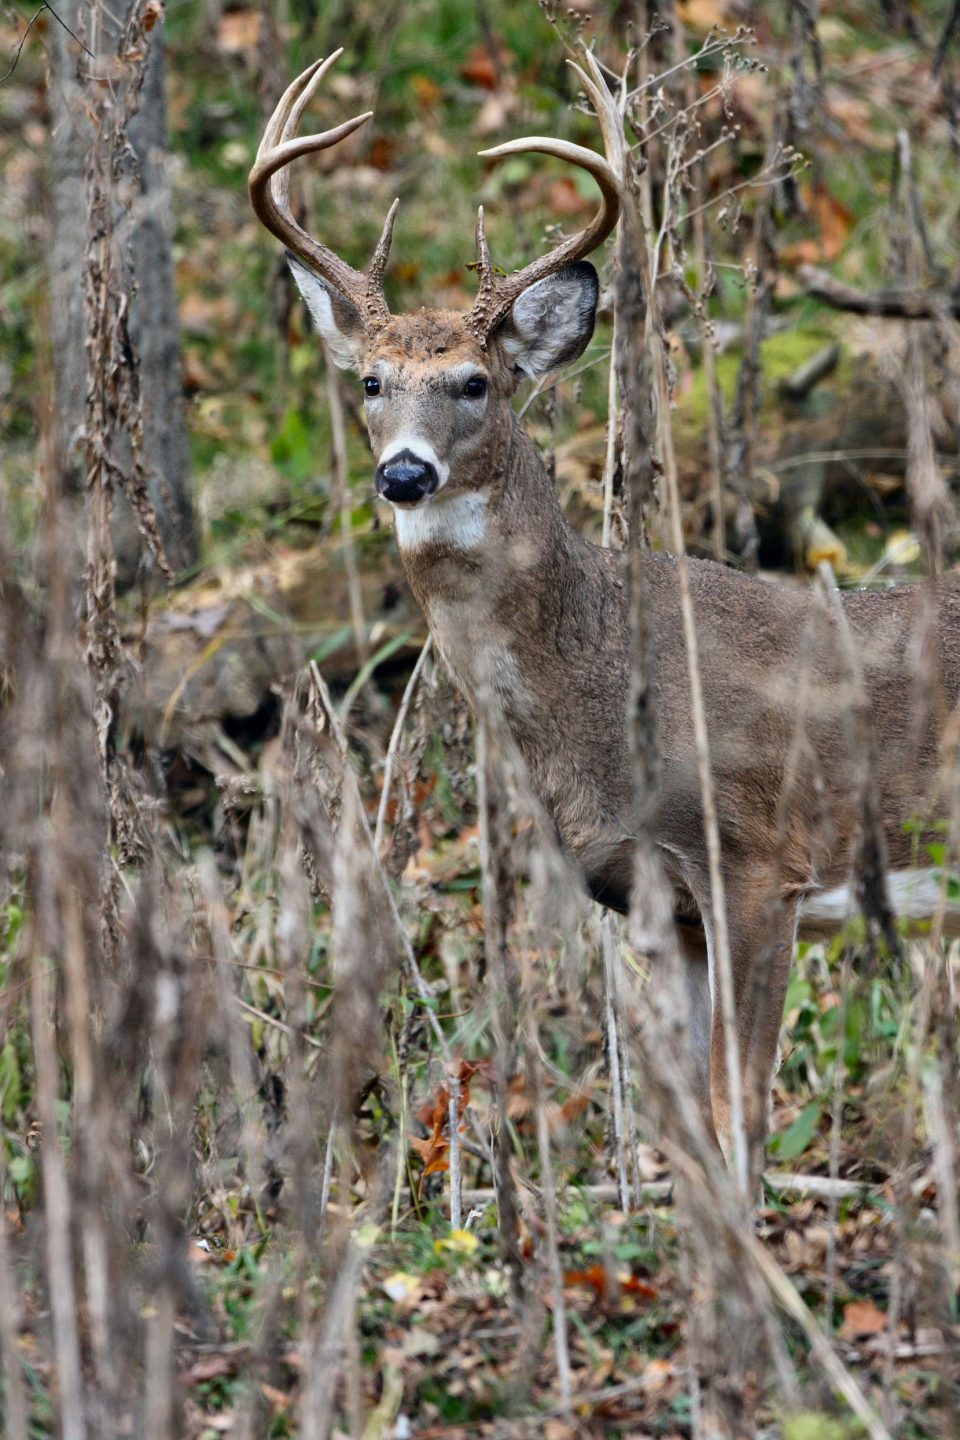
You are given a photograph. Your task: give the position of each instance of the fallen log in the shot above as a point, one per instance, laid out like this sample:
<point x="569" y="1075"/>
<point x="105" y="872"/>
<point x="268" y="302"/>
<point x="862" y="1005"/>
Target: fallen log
<point x="660" y="1192"/>
<point x="215" y="650"/>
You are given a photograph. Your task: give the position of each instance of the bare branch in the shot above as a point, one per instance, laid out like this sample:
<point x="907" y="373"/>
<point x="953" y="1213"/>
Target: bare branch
<point x="893" y="303"/>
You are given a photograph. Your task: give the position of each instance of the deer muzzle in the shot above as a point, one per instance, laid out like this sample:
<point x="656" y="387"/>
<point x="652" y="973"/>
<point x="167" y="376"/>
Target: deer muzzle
<point x="406" y="479"/>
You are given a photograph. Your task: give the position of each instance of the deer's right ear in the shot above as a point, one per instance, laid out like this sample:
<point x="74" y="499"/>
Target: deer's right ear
<point x="336" y="317"/>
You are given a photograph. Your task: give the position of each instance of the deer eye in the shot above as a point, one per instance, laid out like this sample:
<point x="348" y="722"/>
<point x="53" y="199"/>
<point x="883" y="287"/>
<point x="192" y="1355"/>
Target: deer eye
<point x="475" y="388"/>
<point x="371" y="385"/>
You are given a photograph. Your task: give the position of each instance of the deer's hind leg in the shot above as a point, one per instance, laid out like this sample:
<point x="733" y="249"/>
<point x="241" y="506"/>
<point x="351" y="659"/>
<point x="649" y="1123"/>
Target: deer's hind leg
<point x="762" y="929"/>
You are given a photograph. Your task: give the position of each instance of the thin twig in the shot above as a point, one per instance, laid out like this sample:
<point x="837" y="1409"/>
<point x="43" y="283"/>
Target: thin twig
<point x="453" y="1113"/>
<point x="765" y="178"/>
<point x="714" y="394"/>
<point x="272" y="1020"/>
<point x="951" y="25"/>
<point x="718" y="902"/>
<point x="610" y="462"/>
<point x="30" y="24"/>
<point x="16" y="1412"/>
<point x="423" y="990"/>
<point x="394" y="745"/>
<point x="421" y="985"/>
<point x="561" y="1345"/>
<point x="327" y="1177"/>
<point x="57" y="1208"/>
<point x="836" y="1131"/>
<point x="787" y="1296"/>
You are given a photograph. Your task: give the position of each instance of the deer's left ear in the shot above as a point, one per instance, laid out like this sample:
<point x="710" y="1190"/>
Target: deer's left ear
<point x="551" y="322"/>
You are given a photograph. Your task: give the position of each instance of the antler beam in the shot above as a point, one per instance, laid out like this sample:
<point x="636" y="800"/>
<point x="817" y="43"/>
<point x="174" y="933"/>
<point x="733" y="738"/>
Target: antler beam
<point x="269" y="186"/>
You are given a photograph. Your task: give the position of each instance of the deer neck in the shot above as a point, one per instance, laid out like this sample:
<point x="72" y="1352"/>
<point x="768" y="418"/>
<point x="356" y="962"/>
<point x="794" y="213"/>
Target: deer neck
<point x="488" y="567"/>
<point x="532" y="622"/>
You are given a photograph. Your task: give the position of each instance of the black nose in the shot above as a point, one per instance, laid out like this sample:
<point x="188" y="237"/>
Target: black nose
<point x="405" y="479"/>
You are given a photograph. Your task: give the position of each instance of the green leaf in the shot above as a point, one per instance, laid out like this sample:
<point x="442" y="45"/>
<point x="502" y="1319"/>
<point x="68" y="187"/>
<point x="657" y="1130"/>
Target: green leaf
<point x="794" y="1141"/>
<point x="799" y="992"/>
<point x="9" y="1081"/>
<point x="21" y="1169"/>
<point x="390" y="647"/>
<point x="292" y="450"/>
<point x="515" y="171"/>
<point x="332" y="644"/>
<point x="814" y="1425"/>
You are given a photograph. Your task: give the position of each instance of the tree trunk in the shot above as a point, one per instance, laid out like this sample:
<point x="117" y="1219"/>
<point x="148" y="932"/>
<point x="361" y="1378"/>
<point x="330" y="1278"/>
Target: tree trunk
<point x="154" y="327"/>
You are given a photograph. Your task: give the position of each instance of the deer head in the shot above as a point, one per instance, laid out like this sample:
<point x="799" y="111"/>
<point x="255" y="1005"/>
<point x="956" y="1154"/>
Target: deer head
<point x="437" y="384"/>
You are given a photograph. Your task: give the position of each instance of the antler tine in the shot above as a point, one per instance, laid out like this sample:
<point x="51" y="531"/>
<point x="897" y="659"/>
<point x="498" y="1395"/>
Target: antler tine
<point x="294" y="105"/>
<point x="495" y="295"/>
<point x="269" y="187"/>
<point x="485" y="303"/>
<point x="382" y="253"/>
<point x="611" y="125"/>
<point x="274" y="129"/>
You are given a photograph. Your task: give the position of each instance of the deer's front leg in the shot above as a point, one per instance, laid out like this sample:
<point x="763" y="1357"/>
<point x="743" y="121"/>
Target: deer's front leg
<point x="762" y="929"/>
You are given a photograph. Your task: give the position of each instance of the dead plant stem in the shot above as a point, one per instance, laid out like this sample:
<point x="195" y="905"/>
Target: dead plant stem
<point x="60" y="1272"/>
<point x="394" y="745"/>
<point x="343" y="501"/>
<point x="718" y="903"/>
<point x="619" y="1102"/>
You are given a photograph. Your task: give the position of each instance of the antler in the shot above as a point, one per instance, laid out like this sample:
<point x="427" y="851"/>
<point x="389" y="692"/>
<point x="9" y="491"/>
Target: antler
<point x="496" y="294"/>
<point x="269" y="186"/>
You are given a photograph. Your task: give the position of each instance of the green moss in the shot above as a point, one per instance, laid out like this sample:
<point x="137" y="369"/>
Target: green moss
<point x="780" y="355"/>
<point x="863" y="547"/>
<point x="814" y="1425"/>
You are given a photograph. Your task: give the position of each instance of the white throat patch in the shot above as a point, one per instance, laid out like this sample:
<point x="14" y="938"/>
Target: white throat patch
<point x="457" y="520"/>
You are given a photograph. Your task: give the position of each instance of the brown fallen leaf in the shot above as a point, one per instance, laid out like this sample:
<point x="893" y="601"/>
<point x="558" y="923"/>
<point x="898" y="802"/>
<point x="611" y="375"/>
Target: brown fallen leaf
<point x="862" y="1317"/>
<point x="830" y="223"/>
<point x="480" y="69"/>
<point x="196" y="375"/>
<point x="702" y="15"/>
<point x="382" y="152"/>
<point x="239" y="31"/>
<point x="200" y="315"/>
<point x="565" y="199"/>
<point x="213" y="1367"/>
<point x="595" y="1278"/>
<point x="427" y="91"/>
<point x="434" y="1148"/>
<point x="278" y="1399"/>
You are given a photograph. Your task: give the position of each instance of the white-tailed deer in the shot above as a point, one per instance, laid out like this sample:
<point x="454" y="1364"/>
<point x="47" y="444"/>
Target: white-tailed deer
<point x="531" y="617"/>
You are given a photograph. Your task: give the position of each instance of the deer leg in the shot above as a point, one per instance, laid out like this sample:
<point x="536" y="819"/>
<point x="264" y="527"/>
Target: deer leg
<point x="762" y="930"/>
<point x="696" y="965"/>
